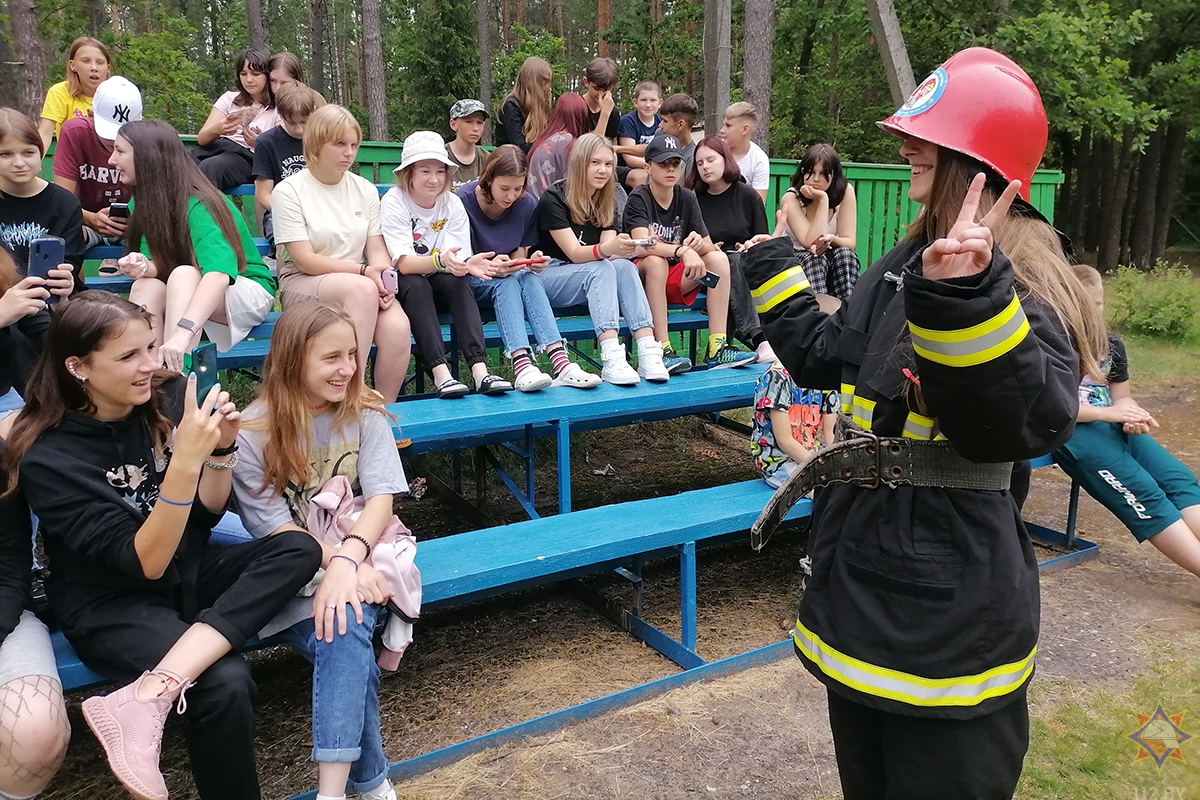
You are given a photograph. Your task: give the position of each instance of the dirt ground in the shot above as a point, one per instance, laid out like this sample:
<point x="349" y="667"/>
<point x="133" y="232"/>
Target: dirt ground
<point x="760" y="733"/>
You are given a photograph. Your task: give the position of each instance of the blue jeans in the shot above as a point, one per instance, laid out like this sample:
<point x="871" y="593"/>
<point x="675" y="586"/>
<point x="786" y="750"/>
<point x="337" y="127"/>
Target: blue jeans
<point x="345" y="698"/>
<point x="611" y="288"/>
<point x="516" y="298"/>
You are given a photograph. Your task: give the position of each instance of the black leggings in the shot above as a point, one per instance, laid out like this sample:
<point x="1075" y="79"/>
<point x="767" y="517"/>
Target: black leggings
<point x="224" y="162"/>
<point x="885" y="756"/>
<point x="239" y="589"/>
<point x="423" y="296"/>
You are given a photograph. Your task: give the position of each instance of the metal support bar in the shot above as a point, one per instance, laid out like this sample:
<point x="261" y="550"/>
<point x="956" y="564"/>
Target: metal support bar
<point x="456" y="500"/>
<point x="480" y="479"/>
<point x="524" y="500"/>
<point x="624" y="618"/>
<point x="564" y="466"/>
<point x="529" y="465"/>
<point x="1072" y="514"/>
<point x="456" y="463"/>
<point x="571" y="346"/>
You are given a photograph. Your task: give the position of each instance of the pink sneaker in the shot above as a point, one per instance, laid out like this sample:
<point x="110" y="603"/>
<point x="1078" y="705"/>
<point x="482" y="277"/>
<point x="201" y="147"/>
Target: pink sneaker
<point x="130" y="730"/>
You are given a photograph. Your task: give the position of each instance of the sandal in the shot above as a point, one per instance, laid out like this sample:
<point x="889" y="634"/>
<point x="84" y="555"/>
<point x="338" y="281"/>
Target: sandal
<point x="451" y="388"/>
<point x="494" y="384"/>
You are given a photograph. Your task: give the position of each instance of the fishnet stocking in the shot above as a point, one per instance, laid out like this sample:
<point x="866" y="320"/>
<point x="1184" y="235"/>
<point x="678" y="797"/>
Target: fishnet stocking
<point x="34" y="732"/>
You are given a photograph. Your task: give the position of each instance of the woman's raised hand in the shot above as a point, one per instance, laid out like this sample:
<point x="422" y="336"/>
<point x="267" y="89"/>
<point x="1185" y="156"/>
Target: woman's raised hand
<point x="200" y="430"/>
<point x="967" y="249"/>
<point x="27" y="297"/>
<point x="134" y="265"/>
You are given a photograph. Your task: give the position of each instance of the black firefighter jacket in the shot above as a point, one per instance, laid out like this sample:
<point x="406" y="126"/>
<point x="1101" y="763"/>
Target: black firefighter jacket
<point x="924" y="601"/>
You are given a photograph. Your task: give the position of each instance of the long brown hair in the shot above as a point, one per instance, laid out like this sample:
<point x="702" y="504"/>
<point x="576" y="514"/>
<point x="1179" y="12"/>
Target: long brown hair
<point x="8" y="272"/>
<point x="598" y="207"/>
<point x="166" y="180"/>
<point x="1039" y="263"/>
<point x="289" y="62"/>
<point x="571" y="116"/>
<point x="732" y="173"/>
<point x="507" y="161"/>
<point x="286" y="415"/>
<point x="74" y="85"/>
<point x="256" y="61"/>
<point x="532" y="89"/>
<point x="20" y="127"/>
<point x="79" y="327"/>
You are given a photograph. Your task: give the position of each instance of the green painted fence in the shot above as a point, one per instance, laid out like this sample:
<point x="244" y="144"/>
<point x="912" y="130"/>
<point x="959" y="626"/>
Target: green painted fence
<point x="881" y="189"/>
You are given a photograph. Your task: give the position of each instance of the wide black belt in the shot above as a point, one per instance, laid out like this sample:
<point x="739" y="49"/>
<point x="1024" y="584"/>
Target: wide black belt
<point x="861" y="458"/>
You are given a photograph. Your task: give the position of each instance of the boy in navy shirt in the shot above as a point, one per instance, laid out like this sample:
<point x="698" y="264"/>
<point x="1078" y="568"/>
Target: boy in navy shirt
<point x="635" y="131"/>
<point x="279" y="153"/>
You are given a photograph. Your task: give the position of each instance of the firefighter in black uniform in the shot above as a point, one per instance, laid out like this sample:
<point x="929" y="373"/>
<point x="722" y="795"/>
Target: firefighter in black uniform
<point x="962" y="347"/>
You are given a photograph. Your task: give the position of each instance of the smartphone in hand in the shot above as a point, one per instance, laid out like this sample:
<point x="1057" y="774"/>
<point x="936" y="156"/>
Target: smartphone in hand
<point x="118" y="210"/>
<point x="390" y="280"/>
<point x="46" y="254"/>
<point x="204" y="365"/>
<point x="710" y="279"/>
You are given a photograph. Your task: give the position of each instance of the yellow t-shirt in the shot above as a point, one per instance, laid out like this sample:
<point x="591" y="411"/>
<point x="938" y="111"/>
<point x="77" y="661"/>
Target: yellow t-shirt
<point x="60" y="106"/>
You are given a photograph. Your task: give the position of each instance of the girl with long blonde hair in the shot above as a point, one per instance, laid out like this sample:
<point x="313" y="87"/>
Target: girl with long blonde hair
<point x="315" y="420"/>
<point x="525" y="112"/>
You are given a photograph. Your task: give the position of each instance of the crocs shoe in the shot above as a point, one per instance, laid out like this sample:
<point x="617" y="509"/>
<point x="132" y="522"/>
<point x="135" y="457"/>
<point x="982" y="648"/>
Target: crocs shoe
<point x="532" y="379"/>
<point x="493" y="384"/>
<point x="577" y="377"/>
<point x="730" y="356"/>
<point x="130" y="731"/>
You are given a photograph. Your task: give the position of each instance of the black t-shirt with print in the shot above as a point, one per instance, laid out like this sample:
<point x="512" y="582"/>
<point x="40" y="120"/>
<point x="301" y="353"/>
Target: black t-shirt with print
<point x="277" y="155"/>
<point x="734" y="215"/>
<point x="555" y="216"/>
<point x="51" y="212"/>
<point x="671" y="225"/>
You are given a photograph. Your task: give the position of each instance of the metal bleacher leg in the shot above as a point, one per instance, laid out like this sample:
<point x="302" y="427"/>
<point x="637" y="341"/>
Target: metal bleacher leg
<point x="564" y="466"/>
<point x="529" y="465"/>
<point x="692" y="338"/>
<point x="687" y="594"/>
<point x="1072" y="515"/>
<point x="480" y="479"/>
<point x="456" y="471"/>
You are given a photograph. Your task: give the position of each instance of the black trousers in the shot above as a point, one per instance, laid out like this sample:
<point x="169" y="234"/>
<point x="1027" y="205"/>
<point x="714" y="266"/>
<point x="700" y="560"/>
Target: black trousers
<point x="883" y="756"/>
<point x="423" y="296"/>
<point x="239" y="589"/>
<point x="746" y="325"/>
<point x="224" y="162"/>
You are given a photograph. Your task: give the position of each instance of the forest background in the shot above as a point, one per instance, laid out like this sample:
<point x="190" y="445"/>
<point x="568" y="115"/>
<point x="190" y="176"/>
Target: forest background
<point x="1120" y="79"/>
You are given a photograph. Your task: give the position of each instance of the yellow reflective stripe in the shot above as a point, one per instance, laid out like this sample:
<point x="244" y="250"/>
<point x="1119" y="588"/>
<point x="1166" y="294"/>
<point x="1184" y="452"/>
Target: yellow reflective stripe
<point x="921" y="427"/>
<point x="978" y="344"/>
<point x="847" y="398"/>
<point x="967" y="690"/>
<point x="787" y="283"/>
<point x="862" y="412"/>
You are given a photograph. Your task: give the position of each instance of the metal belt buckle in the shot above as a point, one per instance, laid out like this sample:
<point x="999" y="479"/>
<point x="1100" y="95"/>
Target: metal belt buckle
<point x="894" y="461"/>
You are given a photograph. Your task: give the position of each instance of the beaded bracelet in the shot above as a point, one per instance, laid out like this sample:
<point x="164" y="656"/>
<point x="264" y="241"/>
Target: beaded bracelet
<point x="348" y="558"/>
<point x="365" y="543"/>
<point x="175" y="502"/>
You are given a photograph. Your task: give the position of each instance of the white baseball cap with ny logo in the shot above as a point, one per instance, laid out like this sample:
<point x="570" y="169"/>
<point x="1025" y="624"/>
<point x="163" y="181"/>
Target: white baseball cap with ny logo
<point x="117" y="101"/>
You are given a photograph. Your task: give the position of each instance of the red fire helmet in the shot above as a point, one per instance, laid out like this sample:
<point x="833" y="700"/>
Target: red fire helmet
<point x="981" y="104"/>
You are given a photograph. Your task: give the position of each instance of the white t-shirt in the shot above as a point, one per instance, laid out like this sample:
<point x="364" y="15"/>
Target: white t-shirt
<point x="410" y="230"/>
<point x="259" y="118"/>
<point x="335" y="220"/>
<point x="756" y="167"/>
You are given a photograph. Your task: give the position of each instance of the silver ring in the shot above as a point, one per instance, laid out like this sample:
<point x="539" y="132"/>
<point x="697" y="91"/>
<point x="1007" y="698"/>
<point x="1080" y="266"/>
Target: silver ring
<point x="331" y="607"/>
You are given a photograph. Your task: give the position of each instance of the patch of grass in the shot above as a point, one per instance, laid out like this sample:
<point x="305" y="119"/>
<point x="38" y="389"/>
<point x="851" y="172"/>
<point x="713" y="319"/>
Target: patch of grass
<point x="1154" y="361"/>
<point x="1079" y="735"/>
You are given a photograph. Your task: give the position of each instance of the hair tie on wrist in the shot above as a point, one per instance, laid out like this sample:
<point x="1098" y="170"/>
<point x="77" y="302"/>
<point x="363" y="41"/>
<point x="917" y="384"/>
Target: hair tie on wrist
<point x="348" y="558"/>
<point x="596" y="251"/>
<point x="224" y="451"/>
<point x="362" y="270"/>
<point x="175" y="502"/>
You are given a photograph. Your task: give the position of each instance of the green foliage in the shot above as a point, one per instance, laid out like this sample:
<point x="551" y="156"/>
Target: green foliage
<point x="157" y="63"/>
<point x="435" y="61"/>
<point x="528" y="43"/>
<point x="1160" y="303"/>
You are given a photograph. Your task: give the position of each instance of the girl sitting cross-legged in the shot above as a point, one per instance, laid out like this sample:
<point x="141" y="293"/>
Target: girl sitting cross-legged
<point x="127" y="474"/>
<point x="316" y="421"/>
<point x="504" y="220"/>
<point x="429" y="241"/>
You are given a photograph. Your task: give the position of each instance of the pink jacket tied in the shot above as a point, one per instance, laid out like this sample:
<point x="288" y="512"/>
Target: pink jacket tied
<point x="331" y="516"/>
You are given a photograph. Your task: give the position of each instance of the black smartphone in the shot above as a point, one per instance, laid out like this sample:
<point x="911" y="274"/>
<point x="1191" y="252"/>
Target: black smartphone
<point x="204" y="366"/>
<point x="118" y="210"/>
<point x="46" y="254"/>
<point x="710" y="279"/>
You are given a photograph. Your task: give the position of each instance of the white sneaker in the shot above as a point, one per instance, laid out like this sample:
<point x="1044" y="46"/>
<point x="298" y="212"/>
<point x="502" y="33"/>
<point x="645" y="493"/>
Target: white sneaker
<point x="617" y="371"/>
<point x="576" y="377"/>
<point x="765" y="354"/>
<point x="382" y="792"/>
<point x="532" y="379"/>
<point x="650" y="362"/>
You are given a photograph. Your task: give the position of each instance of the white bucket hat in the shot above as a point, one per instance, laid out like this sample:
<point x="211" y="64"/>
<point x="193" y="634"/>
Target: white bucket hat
<point x="422" y="146"/>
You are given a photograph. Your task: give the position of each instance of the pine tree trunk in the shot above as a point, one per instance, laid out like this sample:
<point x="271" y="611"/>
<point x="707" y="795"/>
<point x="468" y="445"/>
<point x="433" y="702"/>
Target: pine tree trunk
<point x="254" y="24"/>
<point x="1102" y="168"/>
<point x="1063" y="205"/>
<point x="506" y="23"/>
<point x="1110" y="240"/>
<point x="483" y="32"/>
<point x="886" y="27"/>
<point x="1141" y="239"/>
<point x="375" y="79"/>
<point x="603" y="23"/>
<point x="757" y="46"/>
<point x="717" y="45"/>
<point x="316" y="27"/>
<point x="31" y="71"/>
<point x="1172" y="160"/>
<point x="1082" y="190"/>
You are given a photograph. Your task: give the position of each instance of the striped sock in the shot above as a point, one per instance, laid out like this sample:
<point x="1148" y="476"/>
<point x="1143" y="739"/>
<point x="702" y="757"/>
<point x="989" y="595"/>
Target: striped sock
<point x="558" y="359"/>
<point x="715" y="343"/>
<point x="521" y="362"/>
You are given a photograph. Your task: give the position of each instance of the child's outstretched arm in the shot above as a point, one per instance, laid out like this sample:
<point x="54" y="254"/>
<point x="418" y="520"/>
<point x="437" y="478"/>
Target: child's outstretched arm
<point x="782" y="426"/>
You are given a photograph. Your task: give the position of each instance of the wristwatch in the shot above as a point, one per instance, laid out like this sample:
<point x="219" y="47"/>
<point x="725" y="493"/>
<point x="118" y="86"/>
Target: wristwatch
<point x="187" y="325"/>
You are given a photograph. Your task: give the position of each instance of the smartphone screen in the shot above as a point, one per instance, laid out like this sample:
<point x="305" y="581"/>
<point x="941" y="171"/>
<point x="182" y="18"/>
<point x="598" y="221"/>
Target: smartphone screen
<point x="204" y="365"/>
<point x="46" y="254"/>
<point x="119" y="210"/>
<point x="710" y="279"/>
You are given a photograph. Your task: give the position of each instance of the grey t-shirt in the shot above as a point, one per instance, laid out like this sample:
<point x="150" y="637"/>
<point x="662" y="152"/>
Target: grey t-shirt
<point x="364" y="452"/>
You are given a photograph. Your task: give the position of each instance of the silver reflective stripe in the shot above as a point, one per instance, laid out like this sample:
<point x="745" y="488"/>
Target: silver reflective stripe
<point x="779" y="288"/>
<point x="976" y="345"/>
<point x="968" y="690"/>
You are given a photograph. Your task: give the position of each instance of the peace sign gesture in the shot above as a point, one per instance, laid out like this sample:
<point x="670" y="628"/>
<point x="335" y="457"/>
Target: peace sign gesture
<point x="967" y="248"/>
